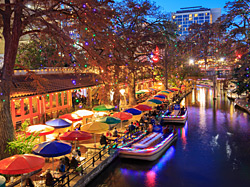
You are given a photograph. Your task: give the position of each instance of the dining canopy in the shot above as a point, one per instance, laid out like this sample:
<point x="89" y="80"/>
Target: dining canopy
<point x="76" y="135"/>
<point x="96" y="127"/>
<point x="58" y="123"/>
<point x="123" y="115"/>
<point x="161" y="96"/>
<point x="143" y="107"/>
<point x="158" y="98"/>
<point x="20" y="164"/>
<point x="72" y="117"/>
<point x="39" y="129"/>
<point x="104" y="108"/>
<point x="156" y="101"/>
<point x="109" y="120"/>
<point x="133" y="111"/>
<point x="84" y="113"/>
<point x="52" y="148"/>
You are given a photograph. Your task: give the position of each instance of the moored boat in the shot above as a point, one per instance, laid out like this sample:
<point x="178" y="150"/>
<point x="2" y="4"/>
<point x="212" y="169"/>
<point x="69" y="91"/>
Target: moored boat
<point x="147" y="147"/>
<point x="178" y="115"/>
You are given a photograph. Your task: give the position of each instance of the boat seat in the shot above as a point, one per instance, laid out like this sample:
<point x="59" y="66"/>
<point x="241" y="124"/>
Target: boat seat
<point x="147" y="142"/>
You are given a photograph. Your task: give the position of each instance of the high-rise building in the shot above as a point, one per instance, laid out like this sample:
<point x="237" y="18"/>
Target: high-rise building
<point x="189" y="15"/>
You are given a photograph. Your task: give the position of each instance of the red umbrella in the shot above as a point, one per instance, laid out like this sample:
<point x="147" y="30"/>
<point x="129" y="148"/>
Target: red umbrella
<point x="71" y="117"/>
<point x="76" y="135"/>
<point x="143" y="107"/>
<point x="161" y="99"/>
<point x="123" y="115"/>
<point x="19" y="164"/>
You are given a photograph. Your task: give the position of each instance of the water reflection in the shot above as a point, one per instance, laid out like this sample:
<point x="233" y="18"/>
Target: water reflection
<point x="212" y="149"/>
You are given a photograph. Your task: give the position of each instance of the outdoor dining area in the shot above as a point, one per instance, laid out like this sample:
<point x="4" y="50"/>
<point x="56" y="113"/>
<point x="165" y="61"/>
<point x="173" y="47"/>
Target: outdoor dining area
<point x="73" y="138"/>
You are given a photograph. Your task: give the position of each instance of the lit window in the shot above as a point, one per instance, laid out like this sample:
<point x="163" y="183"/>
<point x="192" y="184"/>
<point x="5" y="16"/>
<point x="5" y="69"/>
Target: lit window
<point x="196" y="15"/>
<point x="190" y="19"/>
<point x="179" y="25"/>
<point x="173" y="17"/>
<point x="190" y="15"/>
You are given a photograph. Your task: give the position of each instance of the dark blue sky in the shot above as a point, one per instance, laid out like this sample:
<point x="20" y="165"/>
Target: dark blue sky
<point x="174" y="5"/>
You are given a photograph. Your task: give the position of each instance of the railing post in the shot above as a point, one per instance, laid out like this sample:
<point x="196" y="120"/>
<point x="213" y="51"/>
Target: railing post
<point x="93" y="161"/>
<point x="100" y="155"/>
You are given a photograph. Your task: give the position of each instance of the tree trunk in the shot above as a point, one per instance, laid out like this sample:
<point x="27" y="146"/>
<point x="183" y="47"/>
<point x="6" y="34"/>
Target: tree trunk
<point x="131" y="90"/>
<point x="6" y="126"/>
<point x="166" y="70"/>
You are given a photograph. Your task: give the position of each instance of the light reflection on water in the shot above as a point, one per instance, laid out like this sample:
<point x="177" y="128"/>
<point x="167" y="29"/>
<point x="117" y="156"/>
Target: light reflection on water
<point x="212" y="149"/>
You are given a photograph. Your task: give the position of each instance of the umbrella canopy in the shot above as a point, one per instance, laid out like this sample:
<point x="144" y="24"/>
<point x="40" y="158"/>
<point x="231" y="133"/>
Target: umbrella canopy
<point x="52" y="149"/>
<point x="133" y="111"/>
<point x="143" y="107"/>
<point x="84" y="113"/>
<point x="71" y="117"/>
<point x="58" y="123"/>
<point x="104" y="108"/>
<point x="152" y="89"/>
<point x="139" y="92"/>
<point x="165" y="91"/>
<point x="158" y="98"/>
<point x="123" y="115"/>
<point x="109" y="120"/>
<point x="175" y="89"/>
<point x="169" y="90"/>
<point x="161" y="96"/>
<point x="96" y="127"/>
<point x="76" y="135"/>
<point x="145" y="90"/>
<point x="156" y="101"/>
<point x="19" y="164"/>
<point x="40" y="129"/>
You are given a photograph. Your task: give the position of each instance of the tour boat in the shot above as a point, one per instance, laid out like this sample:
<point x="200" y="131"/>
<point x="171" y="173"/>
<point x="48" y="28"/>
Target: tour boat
<point x="147" y="147"/>
<point x="178" y="115"/>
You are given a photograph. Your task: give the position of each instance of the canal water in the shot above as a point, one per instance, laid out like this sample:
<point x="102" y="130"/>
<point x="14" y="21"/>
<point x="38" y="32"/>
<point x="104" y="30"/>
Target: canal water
<point x="212" y="149"/>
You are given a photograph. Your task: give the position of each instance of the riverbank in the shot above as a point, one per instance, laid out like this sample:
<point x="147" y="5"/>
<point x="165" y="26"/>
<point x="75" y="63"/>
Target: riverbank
<point x="243" y="104"/>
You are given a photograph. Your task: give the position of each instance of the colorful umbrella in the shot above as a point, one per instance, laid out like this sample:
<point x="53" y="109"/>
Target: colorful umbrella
<point x="161" y="96"/>
<point x="84" y="113"/>
<point x="104" y="108"/>
<point x="58" y="123"/>
<point x="143" y="107"/>
<point x="52" y="149"/>
<point x="123" y="115"/>
<point x="96" y="127"/>
<point x="165" y="91"/>
<point x="71" y="117"/>
<point x="109" y="120"/>
<point x="160" y="99"/>
<point x="40" y="129"/>
<point x="133" y="111"/>
<point x="169" y="90"/>
<point x="156" y="101"/>
<point x="19" y="164"/>
<point x="139" y="92"/>
<point x="76" y="135"/>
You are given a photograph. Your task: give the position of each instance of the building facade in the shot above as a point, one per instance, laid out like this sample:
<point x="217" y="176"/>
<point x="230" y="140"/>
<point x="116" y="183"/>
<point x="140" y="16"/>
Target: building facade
<point x="189" y="15"/>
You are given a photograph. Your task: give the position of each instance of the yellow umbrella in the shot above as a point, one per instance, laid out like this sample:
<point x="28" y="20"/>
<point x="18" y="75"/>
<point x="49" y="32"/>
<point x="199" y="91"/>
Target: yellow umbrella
<point x="163" y="93"/>
<point x="84" y="113"/>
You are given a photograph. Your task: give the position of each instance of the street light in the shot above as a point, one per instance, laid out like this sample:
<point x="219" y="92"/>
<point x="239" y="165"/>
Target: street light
<point x="191" y="62"/>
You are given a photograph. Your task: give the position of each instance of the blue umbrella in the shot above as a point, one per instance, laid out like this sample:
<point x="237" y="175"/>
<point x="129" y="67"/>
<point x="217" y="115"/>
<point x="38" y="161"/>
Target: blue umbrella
<point x="161" y="96"/>
<point x="52" y="149"/>
<point x="156" y="101"/>
<point x="133" y="111"/>
<point x="58" y="123"/>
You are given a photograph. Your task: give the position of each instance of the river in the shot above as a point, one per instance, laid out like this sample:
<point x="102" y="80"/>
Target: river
<point x="212" y="149"/>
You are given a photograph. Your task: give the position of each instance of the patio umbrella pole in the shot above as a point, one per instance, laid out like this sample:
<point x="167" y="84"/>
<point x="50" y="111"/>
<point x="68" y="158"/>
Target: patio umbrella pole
<point x="53" y="164"/>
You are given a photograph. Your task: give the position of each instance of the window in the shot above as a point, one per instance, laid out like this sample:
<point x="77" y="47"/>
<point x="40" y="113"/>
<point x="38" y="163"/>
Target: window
<point x="47" y="101"/>
<point x="201" y="15"/>
<point x="26" y="106"/>
<point x="60" y="99"/>
<point x="185" y="16"/>
<point x="195" y="15"/>
<point x="17" y="104"/>
<point x="174" y="17"/>
<point x="65" y="95"/>
<point x="54" y="100"/>
<point x="190" y="19"/>
<point x="34" y="104"/>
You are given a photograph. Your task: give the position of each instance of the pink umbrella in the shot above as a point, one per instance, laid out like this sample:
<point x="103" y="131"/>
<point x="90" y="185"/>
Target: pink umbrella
<point x="123" y="116"/>
<point x="143" y="107"/>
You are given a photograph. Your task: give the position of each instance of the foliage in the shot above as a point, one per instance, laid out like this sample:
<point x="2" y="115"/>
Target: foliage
<point x="23" y="144"/>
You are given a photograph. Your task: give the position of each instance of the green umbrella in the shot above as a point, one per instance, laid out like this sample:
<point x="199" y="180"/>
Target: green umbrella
<point x="104" y="108"/>
<point x="165" y="91"/>
<point x="139" y="92"/>
<point x="109" y="120"/>
<point x="156" y="101"/>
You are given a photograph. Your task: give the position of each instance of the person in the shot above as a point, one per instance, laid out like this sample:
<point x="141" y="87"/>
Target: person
<point x="115" y="132"/>
<point x="49" y="180"/>
<point x="29" y="183"/>
<point x="137" y="125"/>
<point x="66" y="162"/>
<point x="78" y="152"/>
<point x="74" y="153"/>
<point x="73" y="163"/>
<point x="152" y="120"/>
<point x="150" y="129"/>
<point x="103" y="140"/>
<point x="108" y="134"/>
<point x="61" y="166"/>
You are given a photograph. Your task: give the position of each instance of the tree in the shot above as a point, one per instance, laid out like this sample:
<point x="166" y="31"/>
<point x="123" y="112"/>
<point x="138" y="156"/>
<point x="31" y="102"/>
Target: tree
<point x="142" y="26"/>
<point x="78" y="27"/>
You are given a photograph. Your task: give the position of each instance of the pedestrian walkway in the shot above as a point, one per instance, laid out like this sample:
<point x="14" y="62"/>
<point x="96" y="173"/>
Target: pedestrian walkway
<point x="243" y="103"/>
